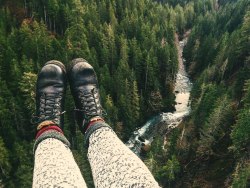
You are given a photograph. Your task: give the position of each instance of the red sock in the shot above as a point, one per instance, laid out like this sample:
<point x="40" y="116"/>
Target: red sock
<point x="93" y="121"/>
<point x="49" y="128"/>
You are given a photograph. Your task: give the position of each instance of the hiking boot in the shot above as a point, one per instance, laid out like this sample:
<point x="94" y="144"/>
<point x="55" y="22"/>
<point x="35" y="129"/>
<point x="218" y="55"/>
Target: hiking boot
<point x="50" y="94"/>
<point x="84" y="88"/>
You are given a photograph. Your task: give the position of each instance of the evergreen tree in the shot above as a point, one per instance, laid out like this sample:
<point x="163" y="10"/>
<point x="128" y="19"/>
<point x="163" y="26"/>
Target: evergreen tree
<point x="135" y="103"/>
<point x="76" y="42"/>
<point x="112" y="111"/>
<point x="4" y="161"/>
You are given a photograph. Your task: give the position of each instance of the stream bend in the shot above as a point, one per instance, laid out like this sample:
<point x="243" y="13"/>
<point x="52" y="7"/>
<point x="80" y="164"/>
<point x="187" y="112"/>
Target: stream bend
<point x="164" y="121"/>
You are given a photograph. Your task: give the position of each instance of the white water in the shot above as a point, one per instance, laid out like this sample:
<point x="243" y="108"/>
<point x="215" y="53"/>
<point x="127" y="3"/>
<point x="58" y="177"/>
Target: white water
<point x="166" y="121"/>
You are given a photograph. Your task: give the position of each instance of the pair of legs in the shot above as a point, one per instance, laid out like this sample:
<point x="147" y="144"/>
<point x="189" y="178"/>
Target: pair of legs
<point x="112" y="163"/>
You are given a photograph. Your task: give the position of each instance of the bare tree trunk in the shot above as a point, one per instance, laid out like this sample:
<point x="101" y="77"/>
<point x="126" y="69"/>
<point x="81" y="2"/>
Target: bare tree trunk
<point x="54" y="25"/>
<point x="37" y="49"/>
<point x="45" y="14"/>
<point x="50" y="27"/>
<point x="25" y="7"/>
<point x="146" y="79"/>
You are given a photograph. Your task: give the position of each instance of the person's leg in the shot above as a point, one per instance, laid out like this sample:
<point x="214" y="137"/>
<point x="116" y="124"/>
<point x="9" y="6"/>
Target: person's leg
<point x="54" y="163"/>
<point x="112" y="163"/>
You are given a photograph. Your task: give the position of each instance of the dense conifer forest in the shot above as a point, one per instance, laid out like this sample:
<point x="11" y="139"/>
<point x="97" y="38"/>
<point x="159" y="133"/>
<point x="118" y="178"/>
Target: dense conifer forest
<point x="131" y="44"/>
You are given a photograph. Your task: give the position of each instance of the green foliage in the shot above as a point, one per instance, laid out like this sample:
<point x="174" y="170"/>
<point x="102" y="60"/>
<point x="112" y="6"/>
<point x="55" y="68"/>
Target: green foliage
<point x="4" y="161"/>
<point x="241" y="130"/>
<point x="130" y="45"/>
<point x="171" y="169"/>
<point x="111" y="110"/>
<point x="180" y="19"/>
<point x="156" y="157"/>
<point x="216" y="126"/>
<point x="24" y="162"/>
<point x="238" y="53"/>
<point x="241" y="176"/>
<point x="80" y="155"/>
<point x="151" y="163"/>
<point x="27" y="86"/>
<point x="217" y="57"/>
<point x="164" y="164"/>
<point x="206" y="102"/>
<point x="241" y="134"/>
<point x="76" y="42"/>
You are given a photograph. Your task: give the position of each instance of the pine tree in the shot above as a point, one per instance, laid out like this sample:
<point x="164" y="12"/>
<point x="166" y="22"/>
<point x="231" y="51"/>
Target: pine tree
<point x="135" y="103"/>
<point x="111" y="111"/>
<point x="180" y="19"/>
<point x="240" y="133"/>
<point x="27" y="87"/>
<point x="112" y="17"/>
<point x="76" y="41"/>
<point x="4" y="161"/>
<point x="53" y="8"/>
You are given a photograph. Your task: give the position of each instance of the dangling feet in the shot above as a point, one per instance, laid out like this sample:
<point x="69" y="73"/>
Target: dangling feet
<point x="50" y="95"/>
<point x="84" y="88"/>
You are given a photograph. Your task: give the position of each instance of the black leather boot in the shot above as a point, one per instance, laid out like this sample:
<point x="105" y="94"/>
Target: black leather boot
<point x="84" y="88"/>
<point x="50" y="93"/>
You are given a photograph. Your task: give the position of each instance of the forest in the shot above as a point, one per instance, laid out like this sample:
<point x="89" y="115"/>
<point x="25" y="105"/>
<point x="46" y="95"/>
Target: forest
<point x="131" y="44"/>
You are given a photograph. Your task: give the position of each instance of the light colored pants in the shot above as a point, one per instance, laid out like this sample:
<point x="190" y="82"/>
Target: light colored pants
<point x="112" y="164"/>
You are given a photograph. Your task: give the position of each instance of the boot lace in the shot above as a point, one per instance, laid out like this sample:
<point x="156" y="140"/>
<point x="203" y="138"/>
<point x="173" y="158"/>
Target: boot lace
<point x="91" y="104"/>
<point x="50" y="108"/>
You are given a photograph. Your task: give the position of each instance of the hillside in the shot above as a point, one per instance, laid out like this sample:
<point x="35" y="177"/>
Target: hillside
<point x="131" y="45"/>
<point x="211" y="147"/>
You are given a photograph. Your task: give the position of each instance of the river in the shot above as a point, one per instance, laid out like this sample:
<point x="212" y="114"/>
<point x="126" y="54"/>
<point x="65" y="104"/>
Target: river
<point x="164" y="122"/>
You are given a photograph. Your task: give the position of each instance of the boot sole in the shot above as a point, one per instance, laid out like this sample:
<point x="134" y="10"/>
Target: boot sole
<point x="58" y="63"/>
